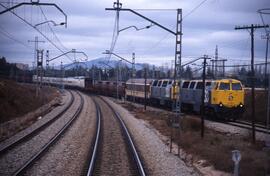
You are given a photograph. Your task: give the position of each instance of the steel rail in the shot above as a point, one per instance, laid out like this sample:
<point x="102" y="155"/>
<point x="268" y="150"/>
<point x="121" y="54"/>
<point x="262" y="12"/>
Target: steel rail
<point x="249" y="123"/>
<point x="130" y="141"/>
<point x="247" y="126"/>
<point x="37" y="130"/>
<point x="97" y="141"/>
<point x="43" y="150"/>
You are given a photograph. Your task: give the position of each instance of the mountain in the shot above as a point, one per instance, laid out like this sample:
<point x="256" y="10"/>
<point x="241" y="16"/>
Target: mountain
<point x="104" y="62"/>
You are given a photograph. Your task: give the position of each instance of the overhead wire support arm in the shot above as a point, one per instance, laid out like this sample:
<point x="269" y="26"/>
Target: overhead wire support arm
<point x="82" y="53"/>
<point x="72" y="51"/>
<point x="138" y="14"/>
<point x="37" y="4"/>
<point x="108" y="52"/>
<point x="59" y="56"/>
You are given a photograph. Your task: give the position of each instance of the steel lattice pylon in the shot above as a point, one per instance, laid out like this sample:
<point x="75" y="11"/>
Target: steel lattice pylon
<point x="178" y="55"/>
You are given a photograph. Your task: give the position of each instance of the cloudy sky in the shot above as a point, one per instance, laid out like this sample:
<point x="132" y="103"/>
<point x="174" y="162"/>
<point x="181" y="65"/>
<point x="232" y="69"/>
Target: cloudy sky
<point x="90" y="30"/>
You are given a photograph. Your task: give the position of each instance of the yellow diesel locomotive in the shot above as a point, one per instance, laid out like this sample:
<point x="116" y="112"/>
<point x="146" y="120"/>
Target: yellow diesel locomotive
<point x="224" y="98"/>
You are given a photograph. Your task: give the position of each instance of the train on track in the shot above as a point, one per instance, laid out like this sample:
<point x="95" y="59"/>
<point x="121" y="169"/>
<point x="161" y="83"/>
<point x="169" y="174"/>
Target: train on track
<point x="224" y="98"/>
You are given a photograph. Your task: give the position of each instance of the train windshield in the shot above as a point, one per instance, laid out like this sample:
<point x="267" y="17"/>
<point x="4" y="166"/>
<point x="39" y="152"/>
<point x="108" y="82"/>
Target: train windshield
<point x="192" y="84"/>
<point x="208" y="84"/>
<point x="155" y="83"/>
<point x="185" y="84"/>
<point x="236" y="86"/>
<point x="224" y="86"/>
<point x="199" y="85"/>
<point x="164" y="84"/>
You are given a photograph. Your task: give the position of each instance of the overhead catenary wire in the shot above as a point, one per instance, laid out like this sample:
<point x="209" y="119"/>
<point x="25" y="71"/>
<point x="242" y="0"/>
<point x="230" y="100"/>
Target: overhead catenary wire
<point x="54" y="34"/>
<point x="115" y="36"/>
<point x="238" y="65"/>
<point x="8" y="35"/>
<point x="166" y="36"/>
<point x="28" y="23"/>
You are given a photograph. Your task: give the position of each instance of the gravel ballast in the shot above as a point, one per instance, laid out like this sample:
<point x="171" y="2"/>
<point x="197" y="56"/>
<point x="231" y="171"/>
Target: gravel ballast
<point x="66" y="98"/>
<point x="68" y="156"/>
<point x="17" y="156"/>
<point x="113" y="157"/>
<point x="153" y="151"/>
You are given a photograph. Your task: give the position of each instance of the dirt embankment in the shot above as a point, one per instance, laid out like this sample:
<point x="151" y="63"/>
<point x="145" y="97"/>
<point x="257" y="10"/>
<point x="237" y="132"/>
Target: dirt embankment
<point x="215" y="148"/>
<point x="18" y="99"/>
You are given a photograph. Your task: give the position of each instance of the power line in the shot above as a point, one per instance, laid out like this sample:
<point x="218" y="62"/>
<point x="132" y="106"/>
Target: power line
<point x="194" y="9"/>
<point x="35" y="29"/>
<point x="165" y="36"/>
<point x="115" y="33"/>
<point x="8" y="35"/>
<point x="155" y="9"/>
<point x="54" y="34"/>
<point x="239" y="65"/>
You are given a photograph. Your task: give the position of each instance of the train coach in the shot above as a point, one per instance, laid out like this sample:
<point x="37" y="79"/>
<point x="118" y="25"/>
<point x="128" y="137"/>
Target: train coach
<point x="72" y="82"/>
<point x="136" y="89"/>
<point x="108" y="88"/>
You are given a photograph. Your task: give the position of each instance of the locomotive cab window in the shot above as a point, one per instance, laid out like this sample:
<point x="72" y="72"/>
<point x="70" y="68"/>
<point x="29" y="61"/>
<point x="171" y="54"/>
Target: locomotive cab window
<point x="170" y="82"/>
<point x="192" y="84"/>
<point x="199" y="85"/>
<point x="208" y="84"/>
<point x="236" y="86"/>
<point x="164" y="84"/>
<point x="159" y="83"/>
<point x="216" y="85"/>
<point x="224" y="86"/>
<point x="155" y="83"/>
<point x="185" y="84"/>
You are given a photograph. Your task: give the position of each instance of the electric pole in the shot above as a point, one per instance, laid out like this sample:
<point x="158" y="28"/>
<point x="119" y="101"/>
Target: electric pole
<point x="216" y="62"/>
<point x="252" y="28"/>
<point x="213" y="66"/>
<point x="223" y="67"/>
<point x="205" y="57"/>
<point x="145" y="92"/>
<point x="36" y="41"/>
<point x="266" y="58"/>
<point x="133" y="76"/>
<point x="38" y="58"/>
<point x="47" y="63"/>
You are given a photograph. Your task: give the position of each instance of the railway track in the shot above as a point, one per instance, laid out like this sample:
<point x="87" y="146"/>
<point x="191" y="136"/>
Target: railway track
<point x="238" y="123"/>
<point x="35" y="131"/>
<point x="13" y="162"/>
<point x="113" y="152"/>
<point x="248" y="125"/>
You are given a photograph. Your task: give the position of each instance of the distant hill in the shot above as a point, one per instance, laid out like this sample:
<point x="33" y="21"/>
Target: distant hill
<point x="103" y="62"/>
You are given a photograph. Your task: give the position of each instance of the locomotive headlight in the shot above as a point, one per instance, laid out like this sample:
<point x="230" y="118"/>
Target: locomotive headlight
<point x="220" y="104"/>
<point x="241" y="105"/>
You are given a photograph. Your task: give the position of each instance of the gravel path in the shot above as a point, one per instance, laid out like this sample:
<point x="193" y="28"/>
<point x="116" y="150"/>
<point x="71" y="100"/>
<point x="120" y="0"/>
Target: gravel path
<point x="154" y="152"/>
<point x="17" y="156"/>
<point x="69" y="154"/>
<point x="113" y="156"/>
